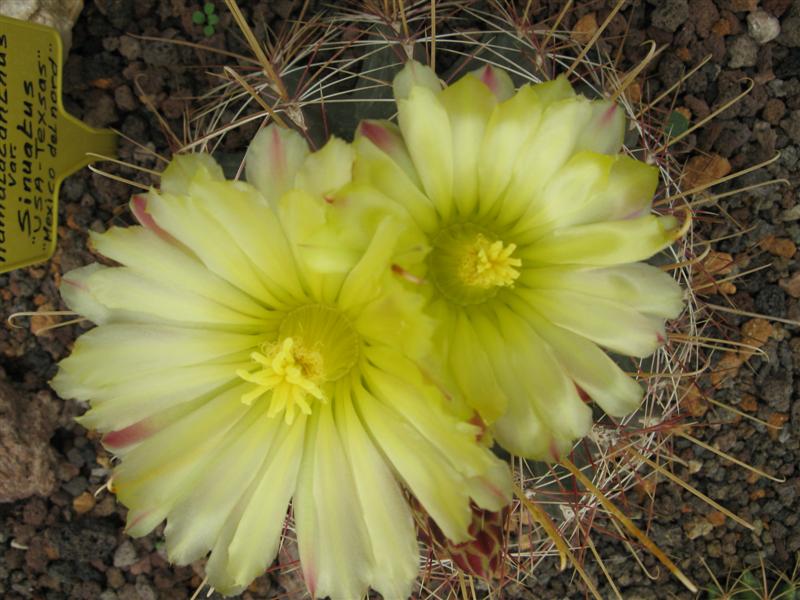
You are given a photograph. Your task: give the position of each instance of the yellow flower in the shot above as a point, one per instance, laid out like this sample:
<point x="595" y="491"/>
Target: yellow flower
<point x="235" y="368"/>
<point x="535" y="224"/>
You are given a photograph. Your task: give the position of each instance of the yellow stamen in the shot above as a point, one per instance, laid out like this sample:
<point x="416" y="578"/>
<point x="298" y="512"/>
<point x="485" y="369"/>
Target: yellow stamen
<point x="291" y="372"/>
<point x="489" y="264"/>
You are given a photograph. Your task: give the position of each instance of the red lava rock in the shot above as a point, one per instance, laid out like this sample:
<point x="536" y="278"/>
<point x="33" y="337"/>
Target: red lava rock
<point x="35" y="512"/>
<point x="722" y="27"/>
<point x="773" y="111"/>
<point x="115" y="578"/>
<point x="739" y="5"/>
<point x="83" y="503"/>
<point x="776" y="7"/>
<point x="585" y="28"/>
<point x="704" y="15"/>
<point x="693" y="402"/>
<point x="782" y="247"/>
<point x="791" y="285"/>
<point x="142" y="566"/>
<point x="698" y="106"/>
<point x="701" y="170"/>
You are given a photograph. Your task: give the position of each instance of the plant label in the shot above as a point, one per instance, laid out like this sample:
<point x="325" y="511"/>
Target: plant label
<point x="40" y="144"/>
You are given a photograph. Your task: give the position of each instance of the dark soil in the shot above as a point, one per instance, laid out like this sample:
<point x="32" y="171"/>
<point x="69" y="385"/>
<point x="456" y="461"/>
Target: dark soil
<point x="64" y="543"/>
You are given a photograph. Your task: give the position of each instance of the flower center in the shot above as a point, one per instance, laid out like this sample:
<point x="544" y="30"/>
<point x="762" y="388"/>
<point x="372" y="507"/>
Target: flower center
<point x="316" y="345"/>
<point x="489" y="264"/>
<point x="469" y="265"/>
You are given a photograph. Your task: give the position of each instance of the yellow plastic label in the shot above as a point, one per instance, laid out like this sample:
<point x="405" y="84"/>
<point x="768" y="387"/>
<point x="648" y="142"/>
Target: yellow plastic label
<point x="40" y="144"/>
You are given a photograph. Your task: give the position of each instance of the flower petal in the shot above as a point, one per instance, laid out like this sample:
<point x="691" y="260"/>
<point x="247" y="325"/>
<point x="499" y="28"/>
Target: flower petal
<point x="414" y="74"/>
<point x="593" y="370"/>
<point x="390" y="178"/>
<point x="185" y="219"/>
<point x="610" y="324"/>
<point x="123" y="403"/>
<point x="507" y="132"/>
<point x="566" y="194"/>
<point x="426" y="129"/>
<point x="125" y="352"/>
<point x="640" y="286"/>
<point x="274" y="157"/>
<point x="195" y="522"/>
<point x="331" y="533"/>
<point x="605" y="130"/>
<point x="510" y="124"/>
<point x="386" y="137"/>
<point x="398" y="383"/>
<point x="164" y="468"/>
<point x="145" y="252"/>
<point x="532" y="376"/>
<point x="390" y="526"/>
<point x="78" y="298"/>
<point x="184" y="169"/>
<point x="133" y="297"/>
<point x="628" y="193"/>
<point x="473" y="372"/>
<point x="324" y="172"/>
<point x="427" y="474"/>
<point x="544" y="152"/>
<point x="397" y="319"/>
<point x="601" y="244"/>
<point x="469" y="104"/>
<point x="258" y="533"/>
<point x="497" y="80"/>
<point x="364" y="281"/>
<point x="257" y="232"/>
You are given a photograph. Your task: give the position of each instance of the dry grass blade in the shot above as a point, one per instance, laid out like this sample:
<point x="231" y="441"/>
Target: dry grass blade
<point x="603" y="567"/>
<point x="710" y="117"/>
<point x="691" y="489"/>
<point x="550" y="529"/>
<point x="556" y="23"/>
<point x="746" y="313"/>
<point x="628" y="524"/>
<point x="433" y="35"/>
<point x="728" y="457"/>
<point x="634" y="73"/>
<point x="255" y="95"/>
<point x="252" y="42"/>
<point x="595" y="37"/>
<point x="673" y="87"/>
<point x="712" y="199"/>
<point x="710" y="184"/>
<point x="552" y="532"/>
<point x="119" y="178"/>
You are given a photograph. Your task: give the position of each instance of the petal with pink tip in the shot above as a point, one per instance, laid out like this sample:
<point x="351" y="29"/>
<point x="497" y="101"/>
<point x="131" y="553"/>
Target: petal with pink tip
<point x="331" y="532"/>
<point x="497" y="80"/>
<point x="273" y="159"/>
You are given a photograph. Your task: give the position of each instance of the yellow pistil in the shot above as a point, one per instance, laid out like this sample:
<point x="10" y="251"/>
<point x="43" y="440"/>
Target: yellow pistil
<point x="489" y="264"/>
<point x="291" y="372"/>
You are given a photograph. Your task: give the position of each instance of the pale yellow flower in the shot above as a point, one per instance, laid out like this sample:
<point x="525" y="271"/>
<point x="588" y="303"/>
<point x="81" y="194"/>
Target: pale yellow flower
<point x="236" y="367"/>
<point x="535" y="224"/>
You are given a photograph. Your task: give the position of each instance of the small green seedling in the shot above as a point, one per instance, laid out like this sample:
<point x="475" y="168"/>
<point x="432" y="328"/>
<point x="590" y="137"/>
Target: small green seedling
<point x="206" y="17"/>
<point x="676" y="124"/>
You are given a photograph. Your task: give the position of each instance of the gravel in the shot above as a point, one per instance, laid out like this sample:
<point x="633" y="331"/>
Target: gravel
<point x="50" y="550"/>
